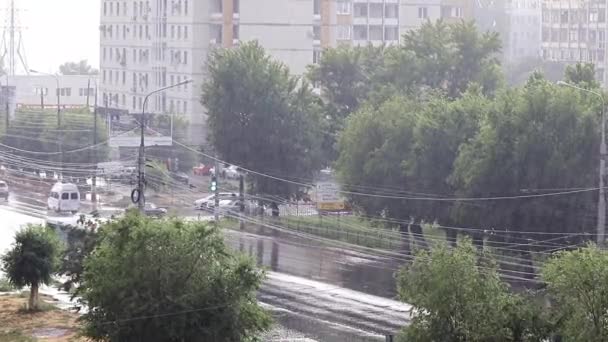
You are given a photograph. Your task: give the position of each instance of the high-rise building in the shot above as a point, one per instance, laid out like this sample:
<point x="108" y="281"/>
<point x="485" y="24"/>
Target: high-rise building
<point x="146" y="45"/>
<point x="518" y="24"/>
<point x="575" y="31"/>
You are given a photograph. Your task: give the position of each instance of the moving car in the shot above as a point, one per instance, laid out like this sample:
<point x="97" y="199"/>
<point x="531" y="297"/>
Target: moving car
<point x="64" y="197"/>
<point x="152" y="210"/>
<point x="4" y="190"/>
<point x="209" y="201"/>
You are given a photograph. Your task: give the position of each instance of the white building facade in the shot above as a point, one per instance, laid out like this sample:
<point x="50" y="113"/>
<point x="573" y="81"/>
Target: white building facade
<point x="575" y="31"/>
<point x="146" y="45"/>
<point x="36" y="91"/>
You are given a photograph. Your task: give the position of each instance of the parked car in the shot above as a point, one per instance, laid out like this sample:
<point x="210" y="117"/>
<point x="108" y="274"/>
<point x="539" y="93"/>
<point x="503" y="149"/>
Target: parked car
<point x="181" y="177"/>
<point x="4" y="190"/>
<point x="209" y="201"/>
<point x="152" y="210"/>
<point x="232" y="172"/>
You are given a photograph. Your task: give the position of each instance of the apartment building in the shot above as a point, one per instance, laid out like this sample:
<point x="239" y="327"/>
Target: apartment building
<point x="518" y="23"/>
<point x="575" y="31"/>
<point x="379" y="22"/>
<point x="150" y="44"/>
<point x="147" y="45"/>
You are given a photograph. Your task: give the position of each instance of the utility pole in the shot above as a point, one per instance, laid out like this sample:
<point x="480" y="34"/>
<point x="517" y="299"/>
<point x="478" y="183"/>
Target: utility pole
<point x="141" y="160"/>
<point x="241" y="200"/>
<point x="216" y="208"/>
<point x="42" y="98"/>
<point x="94" y="179"/>
<point x="88" y="93"/>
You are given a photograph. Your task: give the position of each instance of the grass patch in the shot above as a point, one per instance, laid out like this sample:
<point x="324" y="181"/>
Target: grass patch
<point x="15" y="336"/>
<point x="346" y="228"/>
<point x="42" y="307"/>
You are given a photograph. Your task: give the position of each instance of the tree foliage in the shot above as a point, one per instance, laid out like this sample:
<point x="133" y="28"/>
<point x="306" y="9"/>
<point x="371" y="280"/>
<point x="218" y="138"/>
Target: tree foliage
<point x="437" y="58"/>
<point x="77" y="68"/>
<point x="578" y="282"/>
<point x="169" y="280"/>
<point x="531" y="140"/>
<point x="459" y="296"/>
<point x="38" y="131"/>
<point x="32" y="260"/>
<point x="261" y="118"/>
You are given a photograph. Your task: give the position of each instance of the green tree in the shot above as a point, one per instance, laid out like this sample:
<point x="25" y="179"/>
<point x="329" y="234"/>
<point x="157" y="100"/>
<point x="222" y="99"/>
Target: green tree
<point x="459" y="296"/>
<point x="408" y="147"/>
<point x="38" y="131"/>
<point x="582" y="74"/>
<point x="32" y="260"/>
<point x="530" y="139"/>
<point x="578" y="282"/>
<point x="450" y="57"/>
<point x="261" y="118"/>
<point x="169" y="280"/>
<point x="77" y="68"/>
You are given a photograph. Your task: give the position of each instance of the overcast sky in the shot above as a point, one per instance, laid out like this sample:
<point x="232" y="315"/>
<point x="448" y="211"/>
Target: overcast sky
<point x="57" y="31"/>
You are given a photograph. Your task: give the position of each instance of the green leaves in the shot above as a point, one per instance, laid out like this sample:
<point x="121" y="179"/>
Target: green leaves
<point x="261" y="118"/>
<point x="578" y="282"/>
<point x="458" y="296"/>
<point x="169" y="280"/>
<point x="33" y="258"/>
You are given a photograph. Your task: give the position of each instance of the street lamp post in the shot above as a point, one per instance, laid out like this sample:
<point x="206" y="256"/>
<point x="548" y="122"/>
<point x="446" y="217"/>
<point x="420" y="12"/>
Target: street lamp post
<point x="58" y="115"/>
<point x="141" y="199"/>
<point x="601" y="203"/>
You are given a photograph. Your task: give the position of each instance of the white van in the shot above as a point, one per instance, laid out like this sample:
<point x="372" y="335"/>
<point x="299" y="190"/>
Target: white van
<point x="64" y="197"/>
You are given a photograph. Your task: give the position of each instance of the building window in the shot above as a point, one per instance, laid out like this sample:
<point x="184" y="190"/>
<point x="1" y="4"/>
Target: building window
<point x="422" y="12"/>
<point x="391" y="33"/>
<point x="343" y="32"/>
<point x="235" y="32"/>
<point x="391" y="11"/>
<point x="172" y="32"/>
<point x="236" y="8"/>
<point x="316" y="32"/>
<point x="360" y="32"/>
<point x="105" y="8"/>
<point x="343" y="7"/>
<point x="316" y="7"/>
<point x="186" y="32"/>
<point x="360" y="10"/>
<point x="216" y="6"/>
<point x="375" y="10"/>
<point x="375" y="32"/>
<point x="186" y="57"/>
<point x="179" y="32"/>
<point x="185" y="7"/>
<point x="573" y="35"/>
<point x="316" y="56"/>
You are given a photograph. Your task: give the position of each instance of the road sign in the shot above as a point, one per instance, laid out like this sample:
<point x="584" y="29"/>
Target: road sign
<point x="328" y="197"/>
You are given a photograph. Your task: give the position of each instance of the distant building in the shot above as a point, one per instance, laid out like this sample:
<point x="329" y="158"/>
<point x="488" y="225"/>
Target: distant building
<point x="575" y="31"/>
<point x="518" y="24"/>
<point x="36" y="91"/>
<point x="146" y="45"/>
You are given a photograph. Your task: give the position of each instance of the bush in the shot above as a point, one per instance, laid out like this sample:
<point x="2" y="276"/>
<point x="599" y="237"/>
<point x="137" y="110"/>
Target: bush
<point x="169" y="280"/>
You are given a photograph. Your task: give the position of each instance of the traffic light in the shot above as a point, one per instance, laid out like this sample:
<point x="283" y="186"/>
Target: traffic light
<point x="213" y="186"/>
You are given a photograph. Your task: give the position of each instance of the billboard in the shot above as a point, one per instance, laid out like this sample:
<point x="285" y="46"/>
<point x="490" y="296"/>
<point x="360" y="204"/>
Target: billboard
<point x="328" y="197"/>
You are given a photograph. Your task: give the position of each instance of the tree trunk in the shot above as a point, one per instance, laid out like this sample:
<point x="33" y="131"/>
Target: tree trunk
<point x="33" y="301"/>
